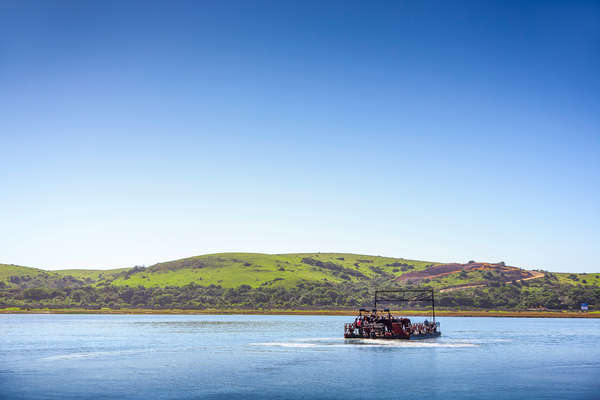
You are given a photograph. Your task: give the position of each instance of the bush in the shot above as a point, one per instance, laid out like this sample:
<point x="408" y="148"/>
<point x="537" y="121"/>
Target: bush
<point x="35" y="294"/>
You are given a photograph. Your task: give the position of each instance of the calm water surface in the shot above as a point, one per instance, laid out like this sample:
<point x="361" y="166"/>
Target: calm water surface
<point x="292" y="357"/>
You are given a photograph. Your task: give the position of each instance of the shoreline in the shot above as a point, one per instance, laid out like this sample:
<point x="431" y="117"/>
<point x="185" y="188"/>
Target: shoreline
<point x="411" y="313"/>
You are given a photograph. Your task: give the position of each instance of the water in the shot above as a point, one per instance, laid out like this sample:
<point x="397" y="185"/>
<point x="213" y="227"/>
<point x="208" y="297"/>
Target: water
<point x="292" y="357"/>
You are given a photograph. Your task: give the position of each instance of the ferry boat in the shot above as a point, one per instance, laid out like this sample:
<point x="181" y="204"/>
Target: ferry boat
<point x="381" y="324"/>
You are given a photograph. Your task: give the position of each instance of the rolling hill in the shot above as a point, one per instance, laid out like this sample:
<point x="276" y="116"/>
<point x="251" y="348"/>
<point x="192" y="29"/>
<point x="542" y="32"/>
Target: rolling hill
<point x="232" y="270"/>
<point x="291" y="280"/>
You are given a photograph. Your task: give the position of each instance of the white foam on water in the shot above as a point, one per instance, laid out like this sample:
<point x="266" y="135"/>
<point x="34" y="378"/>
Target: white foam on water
<point x="91" y="354"/>
<point x="337" y="342"/>
<point x="481" y="340"/>
<point x="285" y="344"/>
<point x="318" y="339"/>
<point x="407" y="343"/>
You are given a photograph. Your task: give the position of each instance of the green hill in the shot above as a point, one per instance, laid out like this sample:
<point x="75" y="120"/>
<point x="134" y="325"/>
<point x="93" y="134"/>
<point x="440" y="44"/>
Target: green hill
<point x="95" y="275"/>
<point x="24" y="277"/>
<point x="233" y="270"/>
<point x="253" y="269"/>
<point x="254" y="280"/>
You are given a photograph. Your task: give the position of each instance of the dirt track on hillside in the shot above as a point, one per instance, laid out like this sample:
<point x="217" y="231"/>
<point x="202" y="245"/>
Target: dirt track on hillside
<point x="436" y="271"/>
<point x="509" y="273"/>
<point x="535" y="275"/>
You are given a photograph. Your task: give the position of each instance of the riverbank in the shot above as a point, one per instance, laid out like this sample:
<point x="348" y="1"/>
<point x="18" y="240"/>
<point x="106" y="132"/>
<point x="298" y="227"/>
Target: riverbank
<point x="440" y="313"/>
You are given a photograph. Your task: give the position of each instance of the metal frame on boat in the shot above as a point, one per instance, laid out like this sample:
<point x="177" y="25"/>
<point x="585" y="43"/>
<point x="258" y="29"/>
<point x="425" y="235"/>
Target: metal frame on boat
<point x="386" y="326"/>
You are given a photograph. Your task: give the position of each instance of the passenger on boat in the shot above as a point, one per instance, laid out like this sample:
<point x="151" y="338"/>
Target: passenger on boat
<point x="359" y="325"/>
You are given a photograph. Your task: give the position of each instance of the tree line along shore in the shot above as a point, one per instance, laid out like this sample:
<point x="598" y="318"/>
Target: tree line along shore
<point x="539" y="296"/>
<point x="409" y="313"/>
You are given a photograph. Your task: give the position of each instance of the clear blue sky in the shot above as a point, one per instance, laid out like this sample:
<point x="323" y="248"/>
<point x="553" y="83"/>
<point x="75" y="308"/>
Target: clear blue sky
<point x="446" y="131"/>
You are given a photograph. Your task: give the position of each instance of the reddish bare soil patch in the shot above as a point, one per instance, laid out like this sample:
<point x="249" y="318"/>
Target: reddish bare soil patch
<point x="436" y="271"/>
<point x="535" y="275"/>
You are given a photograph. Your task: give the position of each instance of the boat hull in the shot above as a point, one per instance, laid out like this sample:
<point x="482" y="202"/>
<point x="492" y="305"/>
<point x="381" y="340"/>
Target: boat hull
<point x="425" y="336"/>
<point x="411" y="337"/>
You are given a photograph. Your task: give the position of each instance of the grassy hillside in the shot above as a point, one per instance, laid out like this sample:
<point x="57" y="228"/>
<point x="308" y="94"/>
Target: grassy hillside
<point x="8" y="270"/>
<point x="95" y="275"/>
<point x="228" y="270"/>
<point x="578" y="279"/>
<point x="232" y="270"/>
<point x="254" y="269"/>
<point x="19" y="276"/>
<point x="289" y="281"/>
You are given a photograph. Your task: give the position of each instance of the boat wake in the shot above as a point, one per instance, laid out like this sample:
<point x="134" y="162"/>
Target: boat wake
<point x="337" y="342"/>
<point x="91" y="354"/>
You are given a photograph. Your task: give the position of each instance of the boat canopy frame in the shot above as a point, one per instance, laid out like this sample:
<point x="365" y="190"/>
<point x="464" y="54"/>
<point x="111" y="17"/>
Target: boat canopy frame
<point x="405" y="296"/>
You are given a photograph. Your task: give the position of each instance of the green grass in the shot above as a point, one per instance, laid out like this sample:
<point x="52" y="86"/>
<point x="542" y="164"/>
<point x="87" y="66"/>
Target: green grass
<point x="236" y="269"/>
<point x="456" y="279"/>
<point x="590" y="279"/>
<point x="7" y="270"/>
<point x="93" y="274"/>
<point x="35" y="276"/>
<point x="255" y="269"/>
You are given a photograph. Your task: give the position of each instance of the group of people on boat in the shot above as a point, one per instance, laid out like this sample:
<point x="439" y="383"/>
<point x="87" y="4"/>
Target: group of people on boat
<point x="423" y="328"/>
<point x="381" y="324"/>
<point x="374" y="318"/>
<point x="376" y="325"/>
